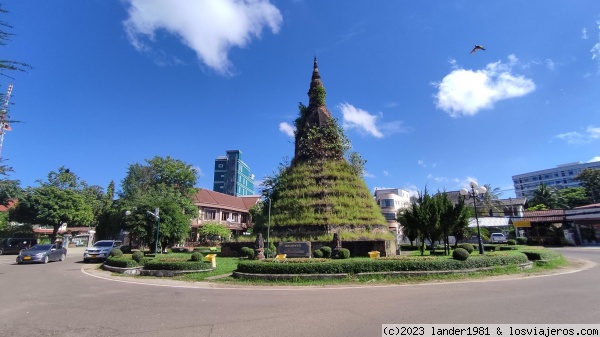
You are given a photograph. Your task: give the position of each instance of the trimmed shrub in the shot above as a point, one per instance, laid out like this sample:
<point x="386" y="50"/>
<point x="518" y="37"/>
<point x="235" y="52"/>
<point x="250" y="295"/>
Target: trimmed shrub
<point x="326" y="251"/>
<point x="507" y="248"/>
<point x="521" y="240"/>
<point x="541" y="254"/>
<point x="460" y="254"/>
<point x="116" y="252"/>
<point x="196" y="257"/>
<point x="120" y="262"/>
<point x="489" y="247"/>
<point x="138" y="256"/>
<point x="248" y="252"/>
<point x="343" y="253"/>
<point x="384" y="264"/>
<point x="407" y="247"/>
<point x="318" y="253"/>
<point x="466" y="246"/>
<point x="511" y="242"/>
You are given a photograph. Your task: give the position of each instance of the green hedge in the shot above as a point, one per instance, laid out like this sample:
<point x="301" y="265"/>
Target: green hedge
<point x="406" y="247"/>
<point x="541" y="254"/>
<point x="121" y="262"/>
<point x="176" y="265"/>
<point x="354" y="266"/>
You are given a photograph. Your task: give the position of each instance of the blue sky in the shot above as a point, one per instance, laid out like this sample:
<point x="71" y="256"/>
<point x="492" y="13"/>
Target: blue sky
<point x="115" y="83"/>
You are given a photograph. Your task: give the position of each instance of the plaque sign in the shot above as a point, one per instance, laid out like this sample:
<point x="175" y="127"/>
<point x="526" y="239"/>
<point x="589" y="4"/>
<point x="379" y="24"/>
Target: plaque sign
<point x="294" y="249"/>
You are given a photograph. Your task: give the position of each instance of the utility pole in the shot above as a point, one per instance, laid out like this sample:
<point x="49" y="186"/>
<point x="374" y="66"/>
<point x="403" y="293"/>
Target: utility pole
<point x="4" y="126"/>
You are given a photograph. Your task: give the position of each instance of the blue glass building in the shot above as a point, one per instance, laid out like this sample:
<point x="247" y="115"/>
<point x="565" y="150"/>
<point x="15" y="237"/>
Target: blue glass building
<point x="232" y="175"/>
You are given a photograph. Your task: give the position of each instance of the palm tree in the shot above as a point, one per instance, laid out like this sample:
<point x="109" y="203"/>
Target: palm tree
<point x="548" y="196"/>
<point x="490" y="198"/>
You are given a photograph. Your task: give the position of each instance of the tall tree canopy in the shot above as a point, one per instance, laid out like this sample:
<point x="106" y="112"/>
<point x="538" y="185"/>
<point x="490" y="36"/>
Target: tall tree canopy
<point x="62" y="199"/>
<point x="547" y="196"/>
<point x="162" y="183"/>
<point x="590" y="180"/>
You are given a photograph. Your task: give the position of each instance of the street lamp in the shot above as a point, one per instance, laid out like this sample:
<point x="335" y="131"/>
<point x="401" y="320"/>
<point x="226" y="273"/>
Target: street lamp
<point x="155" y="215"/>
<point x="474" y="194"/>
<point x="268" y="224"/>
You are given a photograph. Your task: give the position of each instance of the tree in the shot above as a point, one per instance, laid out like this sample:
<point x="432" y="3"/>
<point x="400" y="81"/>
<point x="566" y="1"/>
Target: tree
<point x="58" y="201"/>
<point x="489" y="197"/>
<point x="10" y="190"/>
<point x="213" y="229"/>
<point x="546" y="196"/>
<point x="424" y="216"/>
<point x="574" y="196"/>
<point x="590" y="180"/>
<point x="163" y="183"/>
<point x="8" y="65"/>
<point x="454" y="218"/>
<point x="357" y="163"/>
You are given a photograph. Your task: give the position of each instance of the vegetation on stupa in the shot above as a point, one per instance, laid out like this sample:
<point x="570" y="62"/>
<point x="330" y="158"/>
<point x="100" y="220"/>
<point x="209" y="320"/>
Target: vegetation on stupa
<point x="320" y="191"/>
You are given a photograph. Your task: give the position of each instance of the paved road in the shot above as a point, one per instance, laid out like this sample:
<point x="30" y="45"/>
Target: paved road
<point x="73" y="299"/>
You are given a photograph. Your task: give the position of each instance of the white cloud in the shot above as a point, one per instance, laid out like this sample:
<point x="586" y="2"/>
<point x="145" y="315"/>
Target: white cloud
<point x="368" y="175"/>
<point x="591" y="133"/>
<point x="597" y="158"/>
<point x="437" y="179"/>
<point x="386" y="173"/>
<point x="355" y="118"/>
<point x="465" y="92"/>
<point x="584" y="34"/>
<point x="550" y="64"/>
<point x="198" y="171"/>
<point x="287" y="129"/>
<point x="596" y="49"/>
<point x="421" y="163"/>
<point x="359" y="119"/>
<point x="209" y="27"/>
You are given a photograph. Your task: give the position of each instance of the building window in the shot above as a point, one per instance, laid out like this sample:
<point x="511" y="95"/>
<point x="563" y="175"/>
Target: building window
<point x="220" y="165"/>
<point x="224" y="216"/>
<point x="210" y="214"/>
<point x="390" y="216"/>
<point x="387" y="203"/>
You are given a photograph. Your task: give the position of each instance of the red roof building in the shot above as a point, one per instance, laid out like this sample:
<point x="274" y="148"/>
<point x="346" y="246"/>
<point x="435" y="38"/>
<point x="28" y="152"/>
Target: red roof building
<point x="215" y="207"/>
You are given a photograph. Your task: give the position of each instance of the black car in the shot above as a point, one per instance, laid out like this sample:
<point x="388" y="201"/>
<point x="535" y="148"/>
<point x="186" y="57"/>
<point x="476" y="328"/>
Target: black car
<point x="15" y="245"/>
<point x="42" y="254"/>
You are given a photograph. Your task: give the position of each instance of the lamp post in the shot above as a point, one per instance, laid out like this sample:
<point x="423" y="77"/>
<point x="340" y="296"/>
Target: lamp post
<point x="268" y="223"/>
<point x="155" y="215"/>
<point x="474" y="193"/>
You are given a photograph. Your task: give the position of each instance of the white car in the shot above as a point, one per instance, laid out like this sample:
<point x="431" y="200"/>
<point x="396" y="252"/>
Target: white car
<point x="497" y="238"/>
<point x="100" y="250"/>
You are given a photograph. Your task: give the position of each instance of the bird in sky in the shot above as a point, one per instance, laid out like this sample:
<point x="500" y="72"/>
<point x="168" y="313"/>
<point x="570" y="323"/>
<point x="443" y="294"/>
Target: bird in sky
<point x="475" y="48"/>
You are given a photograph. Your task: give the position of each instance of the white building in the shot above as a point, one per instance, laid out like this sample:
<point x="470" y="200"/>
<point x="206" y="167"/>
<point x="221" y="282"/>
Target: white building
<point x="562" y="176"/>
<point x="392" y="201"/>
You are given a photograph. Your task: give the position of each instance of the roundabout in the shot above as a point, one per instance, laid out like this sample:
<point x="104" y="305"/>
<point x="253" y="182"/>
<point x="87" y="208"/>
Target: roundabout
<point x="83" y="300"/>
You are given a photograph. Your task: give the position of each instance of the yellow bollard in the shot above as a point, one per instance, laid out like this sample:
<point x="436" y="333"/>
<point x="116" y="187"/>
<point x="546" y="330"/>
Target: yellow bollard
<point x="373" y="254"/>
<point x="212" y="258"/>
<point x="280" y="257"/>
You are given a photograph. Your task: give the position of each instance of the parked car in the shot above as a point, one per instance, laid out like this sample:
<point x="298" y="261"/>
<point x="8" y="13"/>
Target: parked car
<point x="497" y="238"/>
<point x="100" y="250"/>
<point x="15" y="245"/>
<point x="42" y="254"/>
